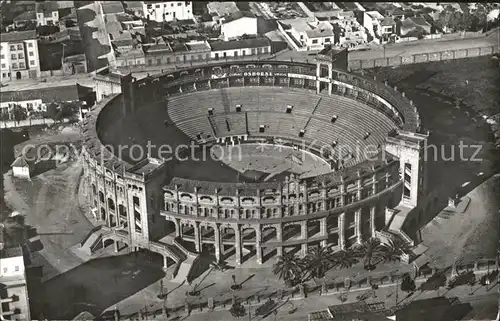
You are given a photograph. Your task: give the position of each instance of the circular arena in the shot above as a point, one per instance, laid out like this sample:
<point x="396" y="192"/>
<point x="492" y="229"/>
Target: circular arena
<point x="252" y="159"/>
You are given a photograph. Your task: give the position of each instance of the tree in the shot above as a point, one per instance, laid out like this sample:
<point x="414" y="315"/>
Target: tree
<point x="317" y="262"/>
<point x="393" y="249"/>
<point x="289" y="268"/>
<point x="14" y="231"/>
<point x="370" y="250"/>
<point x="345" y="259"/>
<point x="237" y="310"/>
<point x="52" y="110"/>
<point x="408" y="284"/>
<point x="19" y="113"/>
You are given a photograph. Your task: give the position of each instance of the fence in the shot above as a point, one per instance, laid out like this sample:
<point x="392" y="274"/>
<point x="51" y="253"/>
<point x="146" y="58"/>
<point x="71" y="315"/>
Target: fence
<point x="31" y="122"/>
<point x="422" y="58"/>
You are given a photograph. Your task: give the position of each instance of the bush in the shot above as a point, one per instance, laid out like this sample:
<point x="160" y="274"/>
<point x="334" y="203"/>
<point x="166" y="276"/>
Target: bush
<point x="408" y="284"/>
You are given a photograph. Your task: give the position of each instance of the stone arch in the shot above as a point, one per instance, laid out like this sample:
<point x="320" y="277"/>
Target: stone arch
<point x="111" y="204"/>
<point x="107" y="242"/>
<point x="269" y="233"/>
<point x="248" y="233"/>
<point x="291" y="230"/>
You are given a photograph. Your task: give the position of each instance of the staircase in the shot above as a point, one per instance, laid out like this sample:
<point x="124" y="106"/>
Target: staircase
<point x="92" y="240"/>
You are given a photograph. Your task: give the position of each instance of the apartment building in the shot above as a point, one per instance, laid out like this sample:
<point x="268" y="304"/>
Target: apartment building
<point x="168" y="10"/>
<point x="379" y="26"/>
<point x="19" y="55"/>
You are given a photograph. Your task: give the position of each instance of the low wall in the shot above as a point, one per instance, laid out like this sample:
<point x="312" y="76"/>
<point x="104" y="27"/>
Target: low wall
<point x="30" y="122"/>
<point x="422" y="58"/>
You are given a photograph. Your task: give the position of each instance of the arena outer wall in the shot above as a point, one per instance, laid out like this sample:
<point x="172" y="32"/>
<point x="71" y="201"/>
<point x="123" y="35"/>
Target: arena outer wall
<point x="340" y="209"/>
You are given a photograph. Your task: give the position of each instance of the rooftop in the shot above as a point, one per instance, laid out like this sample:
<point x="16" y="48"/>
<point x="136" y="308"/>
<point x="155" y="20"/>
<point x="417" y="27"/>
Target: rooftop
<point x="420" y="21"/>
<point x="18" y="36"/>
<point x="238" y="15"/>
<point x="222" y="8"/>
<point x="64" y="93"/>
<point x="133" y="4"/>
<point x="146" y="166"/>
<point x="239" y="44"/>
<point x="312" y="27"/>
<point x="387" y="21"/>
<point x="111" y="7"/>
<point x="25" y="16"/>
<point x="47" y="6"/>
<point x="11" y="252"/>
<point x="375" y="15"/>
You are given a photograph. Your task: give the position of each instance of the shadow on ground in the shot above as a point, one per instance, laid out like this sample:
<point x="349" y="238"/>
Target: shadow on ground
<point x="92" y="47"/>
<point x="94" y="285"/>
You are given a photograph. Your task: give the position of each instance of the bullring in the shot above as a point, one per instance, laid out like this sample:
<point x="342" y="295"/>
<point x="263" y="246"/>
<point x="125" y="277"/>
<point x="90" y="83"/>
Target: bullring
<point x="180" y="209"/>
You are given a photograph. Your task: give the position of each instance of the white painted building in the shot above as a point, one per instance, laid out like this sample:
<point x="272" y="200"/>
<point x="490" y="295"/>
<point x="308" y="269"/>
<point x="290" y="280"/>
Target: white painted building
<point x="14" y="298"/>
<point x="168" y="10"/>
<point x="32" y="104"/>
<point x="238" y="24"/>
<point x="371" y="21"/>
<point x="307" y="33"/>
<point x="47" y="13"/>
<point x="19" y="55"/>
<point x="240" y="48"/>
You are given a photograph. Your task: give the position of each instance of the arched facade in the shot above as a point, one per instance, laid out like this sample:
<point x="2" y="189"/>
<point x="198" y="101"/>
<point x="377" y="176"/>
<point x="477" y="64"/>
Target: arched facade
<point x="341" y="208"/>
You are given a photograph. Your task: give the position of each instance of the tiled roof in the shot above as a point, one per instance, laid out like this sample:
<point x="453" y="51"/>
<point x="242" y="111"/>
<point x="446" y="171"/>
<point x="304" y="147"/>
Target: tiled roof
<point x="47" y="6"/>
<point x="238" y="15"/>
<point x="17" y="36"/>
<point x="11" y="252"/>
<point x="222" y="8"/>
<point x="20" y="162"/>
<point x="110" y="7"/>
<point x="239" y="44"/>
<point x="64" y="93"/>
<point x="420" y="21"/>
<point x="25" y="16"/>
<point x="133" y="4"/>
<point x="387" y="21"/>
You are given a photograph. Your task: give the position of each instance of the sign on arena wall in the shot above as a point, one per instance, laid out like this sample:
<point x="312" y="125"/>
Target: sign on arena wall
<point x="302" y="76"/>
<point x="219" y="76"/>
<point x="258" y="73"/>
<point x="236" y="74"/>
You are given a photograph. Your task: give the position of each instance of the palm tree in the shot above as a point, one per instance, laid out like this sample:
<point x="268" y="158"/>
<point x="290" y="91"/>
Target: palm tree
<point x="289" y="268"/>
<point x="318" y="261"/>
<point x="371" y="249"/>
<point x="344" y="259"/>
<point x="393" y="249"/>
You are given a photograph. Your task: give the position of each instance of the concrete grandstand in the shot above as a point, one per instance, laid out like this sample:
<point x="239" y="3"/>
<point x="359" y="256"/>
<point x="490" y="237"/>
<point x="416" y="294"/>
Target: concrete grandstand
<point x="362" y="137"/>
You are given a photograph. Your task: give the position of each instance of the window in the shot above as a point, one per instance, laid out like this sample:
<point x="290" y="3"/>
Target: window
<point x="3" y="67"/>
<point x="3" y="57"/>
<point x="32" y="62"/>
<point x="30" y="45"/>
<point x="235" y="53"/>
<point x="13" y="57"/>
<point x="20" y="56"/>
<point x="171" y="4"/>
<point x="327" y="39"/>
<point x="150" y="6"/>
<point x="12" y="48"/>
<point x="19" y="47"/>
<point x="179" y="4"/>
<point x="16" y="268"/>
<point x="315" y="41"/>
<point x="266" y="49"/>
<point x="150" y="62"/>
<point x="31" y="53"/>
<point x="14" y="66"/>
<point x="4" y="270"/>
<point x="168" y="60"/>
<point x="21" y="65"/>
<point x="158" y="61"/>
<point x="157" y="6"/>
